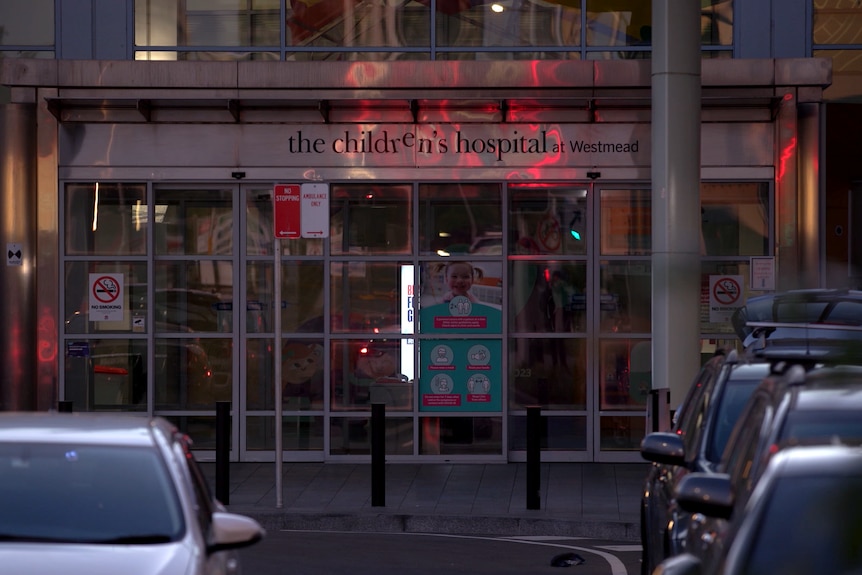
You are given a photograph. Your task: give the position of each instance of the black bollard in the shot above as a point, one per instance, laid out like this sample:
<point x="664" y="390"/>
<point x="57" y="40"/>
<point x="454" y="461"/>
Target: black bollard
<point x="64" y="407"/>
<point x="534" y="447"/>
<point x="378" y="454"/>
<point x="222" y="478"/>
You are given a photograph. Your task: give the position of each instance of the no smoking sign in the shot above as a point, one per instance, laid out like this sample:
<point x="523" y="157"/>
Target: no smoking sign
<point x="725" y="297"/>
<point x="106" y="297"/>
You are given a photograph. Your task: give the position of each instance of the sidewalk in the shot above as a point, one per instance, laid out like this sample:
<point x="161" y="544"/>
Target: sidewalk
<point x="576" y="499"/>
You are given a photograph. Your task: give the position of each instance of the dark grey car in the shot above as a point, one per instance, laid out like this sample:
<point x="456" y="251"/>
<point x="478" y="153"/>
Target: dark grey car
<point x="696" y="443"/>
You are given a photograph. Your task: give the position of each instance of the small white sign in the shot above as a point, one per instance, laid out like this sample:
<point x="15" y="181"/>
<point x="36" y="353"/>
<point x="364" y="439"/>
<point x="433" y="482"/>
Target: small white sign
<point x="106" y="297"/>
<point x="14" y="255"/>
<point x="762" y="273"/>
<point x="725" y="297"/>
<point x="315" y="210"/>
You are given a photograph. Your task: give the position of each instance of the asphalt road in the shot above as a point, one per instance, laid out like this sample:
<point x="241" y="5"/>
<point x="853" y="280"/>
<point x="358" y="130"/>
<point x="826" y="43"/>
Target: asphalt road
<point x="340" y="553"/>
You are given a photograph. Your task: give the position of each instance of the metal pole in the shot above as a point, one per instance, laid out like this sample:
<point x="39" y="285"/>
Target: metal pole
<point x="222" y="479"/>
<point x="378" y="455"/>
<point x="534" y="446"/>
<point x="276" y="357"/>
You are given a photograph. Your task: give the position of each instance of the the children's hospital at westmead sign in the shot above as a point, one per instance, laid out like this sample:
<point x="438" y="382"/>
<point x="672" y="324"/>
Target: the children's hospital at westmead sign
<point x="468" y="145"/>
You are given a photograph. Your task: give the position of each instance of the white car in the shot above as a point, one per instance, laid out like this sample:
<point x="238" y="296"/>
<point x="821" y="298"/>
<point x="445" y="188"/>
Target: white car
<point x="103" y="494"/>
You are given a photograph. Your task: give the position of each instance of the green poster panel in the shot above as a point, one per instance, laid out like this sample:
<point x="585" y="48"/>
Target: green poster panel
<point x="460" y="375"/>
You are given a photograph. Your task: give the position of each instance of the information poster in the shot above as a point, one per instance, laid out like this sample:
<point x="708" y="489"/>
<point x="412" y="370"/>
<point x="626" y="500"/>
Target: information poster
<point x="460" y="375"/>
<point x="460" y="297"/>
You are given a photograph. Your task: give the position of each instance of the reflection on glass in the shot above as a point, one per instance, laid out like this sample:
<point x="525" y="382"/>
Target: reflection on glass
<point x="301" y="293"/>
<point x="106" y="374"/>
<point x="625" y="23"/>
<point x="106" y="219"/>
<point x="28" y="23"/>
<point x="241" y="26"/>
<point x="626" y="225"/>
<point x="621" y="433"/>
<point x="352" y="436"/>
<point x="560" y="433"/>
<point x="625" y="304"/>
<point x="460" y="219"/>
<point x="548" y="221"/>
<point x="200" y="428"/>
<point x="370" y="219"/>
<point x="548" y="296"/>
<point x="550" y="372"/>
<point x="366" y="371"/>
<point x="735" y="219"/>
<point x="461" y="435"/>
<point x="194" y="222"/>
<point x="625" y="368"/>
<point x="298" y="433"/>
<point x="365" y="296"/>
<point x="192" y="297"/>
<point x="192" y="373"/>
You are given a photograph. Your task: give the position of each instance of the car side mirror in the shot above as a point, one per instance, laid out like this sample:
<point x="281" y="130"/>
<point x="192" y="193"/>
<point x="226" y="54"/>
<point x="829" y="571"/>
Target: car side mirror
<point x="663" y="447"/>
<point x="233" y="531"/>
<point x="706" y="493"/>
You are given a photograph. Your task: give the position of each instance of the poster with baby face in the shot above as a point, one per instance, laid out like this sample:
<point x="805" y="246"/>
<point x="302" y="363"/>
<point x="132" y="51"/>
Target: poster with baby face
<point x="460" y="296"/>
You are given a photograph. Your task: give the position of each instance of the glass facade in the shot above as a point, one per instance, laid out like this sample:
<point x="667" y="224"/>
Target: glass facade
<point x="332" y="30"/>
<point x="456" y="305"/>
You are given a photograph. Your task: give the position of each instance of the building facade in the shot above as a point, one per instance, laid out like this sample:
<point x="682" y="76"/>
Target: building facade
<point x="442" y="207"/>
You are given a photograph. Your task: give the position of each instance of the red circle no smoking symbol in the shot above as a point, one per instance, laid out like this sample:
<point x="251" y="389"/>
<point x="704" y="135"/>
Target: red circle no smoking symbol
<point x="726" y="291"/>
<point x="105" y="289"/>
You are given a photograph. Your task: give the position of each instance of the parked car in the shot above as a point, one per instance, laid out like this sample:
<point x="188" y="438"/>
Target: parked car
<point x="823" y="405"/>
<point x="801" y="518"/>
<point x="800" y="315"/>
<point x="97" y="494"/>
<point x="695" y="443"/>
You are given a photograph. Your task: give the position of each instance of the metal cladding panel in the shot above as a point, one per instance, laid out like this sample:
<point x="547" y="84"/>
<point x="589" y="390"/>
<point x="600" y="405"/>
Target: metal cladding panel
<point x="17" y="240"/>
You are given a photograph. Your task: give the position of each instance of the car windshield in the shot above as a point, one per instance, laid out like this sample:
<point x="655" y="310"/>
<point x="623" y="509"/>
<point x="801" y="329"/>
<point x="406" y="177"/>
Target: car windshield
<point x="86" y="494"/>
<point x="731" y="404"/>
<point x="810" y="526"/>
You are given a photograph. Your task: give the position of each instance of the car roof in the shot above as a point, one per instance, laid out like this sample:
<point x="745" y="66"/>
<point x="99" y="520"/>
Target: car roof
<point x="88" y="428"/>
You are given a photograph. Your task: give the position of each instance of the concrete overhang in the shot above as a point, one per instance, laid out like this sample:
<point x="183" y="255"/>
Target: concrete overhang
<point x="390" y="92"/>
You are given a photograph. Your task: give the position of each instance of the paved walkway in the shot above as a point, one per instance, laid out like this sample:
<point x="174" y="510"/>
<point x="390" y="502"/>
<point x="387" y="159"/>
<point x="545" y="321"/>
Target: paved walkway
<point x="575" y="499"/>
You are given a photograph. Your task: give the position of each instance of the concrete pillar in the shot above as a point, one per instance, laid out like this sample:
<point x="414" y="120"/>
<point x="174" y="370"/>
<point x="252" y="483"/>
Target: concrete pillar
<point x="676" y="102"/>
<point x="18" y="271"/>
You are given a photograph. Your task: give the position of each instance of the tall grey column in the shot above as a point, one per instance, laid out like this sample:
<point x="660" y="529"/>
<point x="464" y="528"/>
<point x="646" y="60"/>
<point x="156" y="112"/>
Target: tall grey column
<point x="18" y="272"/>
<point x="675" y="195"/>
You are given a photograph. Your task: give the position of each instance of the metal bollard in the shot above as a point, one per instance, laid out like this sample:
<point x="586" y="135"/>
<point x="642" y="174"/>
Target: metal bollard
<point x="222" y="466"/>
<point x="378" y="454"/>
<point x="534" y="456"/>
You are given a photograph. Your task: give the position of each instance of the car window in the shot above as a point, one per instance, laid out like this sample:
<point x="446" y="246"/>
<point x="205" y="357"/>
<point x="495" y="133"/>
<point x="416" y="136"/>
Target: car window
<point x="741" y="450"/>
<point x="821" y="426"/>
<point x="203" y="496"/>
<point x="693" y="417"/>
<point x="806" y="527"/>
<point x="87" y="493"/>
<point x="692" y="397"/>
<point x="732" y="402"/>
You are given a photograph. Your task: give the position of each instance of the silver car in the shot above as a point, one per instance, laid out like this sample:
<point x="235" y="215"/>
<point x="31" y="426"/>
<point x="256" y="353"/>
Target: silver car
<point x="104" y="494"/>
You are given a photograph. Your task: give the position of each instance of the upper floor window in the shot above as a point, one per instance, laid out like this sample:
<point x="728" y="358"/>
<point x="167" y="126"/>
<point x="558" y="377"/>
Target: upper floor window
<point x="27" y="29"/>
<point x="409" y="30"/>
<point x="837" y="34"/>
